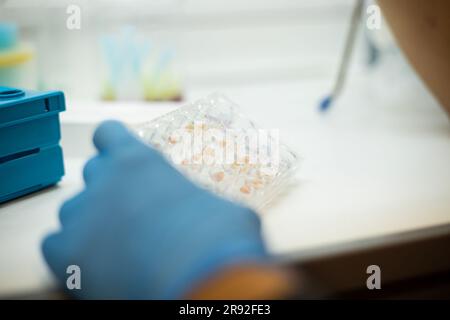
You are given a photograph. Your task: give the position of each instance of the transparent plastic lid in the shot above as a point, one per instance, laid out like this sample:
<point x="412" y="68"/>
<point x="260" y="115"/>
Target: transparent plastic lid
<point x="217" y="147"/>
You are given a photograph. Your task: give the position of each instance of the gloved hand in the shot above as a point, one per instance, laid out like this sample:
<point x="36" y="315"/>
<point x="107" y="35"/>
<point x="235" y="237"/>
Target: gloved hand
<point x="140" y="229"/>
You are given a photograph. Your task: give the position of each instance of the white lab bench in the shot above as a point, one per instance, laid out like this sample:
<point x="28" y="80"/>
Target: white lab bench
<point x="377" y="165"/>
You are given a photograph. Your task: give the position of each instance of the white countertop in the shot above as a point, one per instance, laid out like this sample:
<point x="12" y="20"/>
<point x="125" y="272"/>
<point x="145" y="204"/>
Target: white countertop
<point x="375" y="165"/>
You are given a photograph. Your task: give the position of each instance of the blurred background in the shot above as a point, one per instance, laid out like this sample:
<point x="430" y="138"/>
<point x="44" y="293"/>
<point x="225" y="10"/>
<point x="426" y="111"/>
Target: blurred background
<point x="161" y="49"/>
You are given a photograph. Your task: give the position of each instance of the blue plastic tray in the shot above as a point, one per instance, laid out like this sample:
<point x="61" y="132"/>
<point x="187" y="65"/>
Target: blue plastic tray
<point x="30" y="155"/>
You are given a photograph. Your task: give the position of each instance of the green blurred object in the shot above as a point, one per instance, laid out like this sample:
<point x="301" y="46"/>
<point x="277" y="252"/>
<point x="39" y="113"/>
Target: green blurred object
<point x="16" y="67"/>
<point x="137" y="68"/>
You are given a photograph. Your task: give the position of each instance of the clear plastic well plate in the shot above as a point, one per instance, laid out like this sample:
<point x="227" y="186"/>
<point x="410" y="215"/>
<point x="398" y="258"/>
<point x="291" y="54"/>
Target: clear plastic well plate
<point x="213" y="144"/>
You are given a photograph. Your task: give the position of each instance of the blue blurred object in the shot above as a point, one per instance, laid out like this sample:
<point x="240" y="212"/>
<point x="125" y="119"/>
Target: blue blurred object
<point x="8" y="36"/>
<point x="325" y="103"/>
<point x="30" y="155"/>
<point x="141" y="230"/>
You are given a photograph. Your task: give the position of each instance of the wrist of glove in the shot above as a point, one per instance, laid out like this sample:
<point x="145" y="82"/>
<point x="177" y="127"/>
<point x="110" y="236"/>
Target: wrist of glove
<point x="139" y="229"/>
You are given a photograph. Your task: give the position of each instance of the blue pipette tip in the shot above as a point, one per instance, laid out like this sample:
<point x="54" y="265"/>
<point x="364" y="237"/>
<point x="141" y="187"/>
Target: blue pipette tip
<point x="325" y="103"/>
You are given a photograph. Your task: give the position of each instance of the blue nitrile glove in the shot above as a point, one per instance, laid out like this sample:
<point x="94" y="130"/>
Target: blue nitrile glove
<point x="141" y="230"/>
